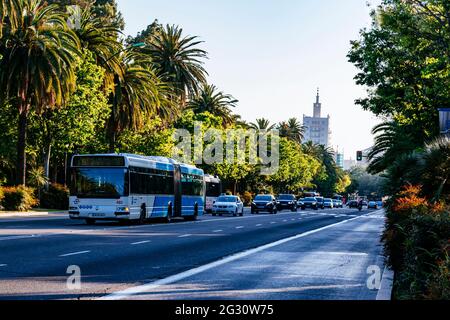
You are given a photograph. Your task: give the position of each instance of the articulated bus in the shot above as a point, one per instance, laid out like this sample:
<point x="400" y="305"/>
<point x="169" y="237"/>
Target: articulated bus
<point x="213" y="191"/>
<point x="125" y="187"/>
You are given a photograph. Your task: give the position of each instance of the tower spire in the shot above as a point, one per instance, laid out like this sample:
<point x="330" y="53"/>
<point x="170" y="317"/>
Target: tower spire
<point x="318" y="95"/>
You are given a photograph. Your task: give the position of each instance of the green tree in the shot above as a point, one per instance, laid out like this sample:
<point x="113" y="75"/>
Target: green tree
<point x="138" y="95"/>
<point x="209" y="99"/>
<point x="392" y="139"/>
<point x="36" y="69"/>
<point x="75" y="127"/>
<point x="292" y="129"/>
<point x="177" y="60"/>
<point x="404" y="61"/>
<point x="262" y="124"/>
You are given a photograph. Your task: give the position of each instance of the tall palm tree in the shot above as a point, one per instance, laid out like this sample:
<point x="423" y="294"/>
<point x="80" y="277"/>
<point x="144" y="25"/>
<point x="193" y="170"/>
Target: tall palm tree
<point x="139" y="94"/>
<point x="178" y="60"/>
<point x="38" y="53"/>
<point x="215" y="102"/>
<point x="100" y="38"/>
<point x="262" y="124"/>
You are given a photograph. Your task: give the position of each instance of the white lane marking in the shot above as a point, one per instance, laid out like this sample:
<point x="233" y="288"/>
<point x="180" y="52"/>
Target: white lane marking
<point x="273" y="222"/>
<point x="284" y="220"/>
<point x="185" y="236"/>
<point x="3" y="265"/>
<point x="120" y="295"/>
<point x="74" y="253"/>
<point x="259" y="225"/>
<point x="336" y="253"/>
<point x="240" y="227"/>
<point x="217" y="231"/>
<point x="140" y="242"/>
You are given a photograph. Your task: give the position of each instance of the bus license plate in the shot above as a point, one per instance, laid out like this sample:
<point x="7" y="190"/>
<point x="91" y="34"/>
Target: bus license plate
<point x="97" y="215"/>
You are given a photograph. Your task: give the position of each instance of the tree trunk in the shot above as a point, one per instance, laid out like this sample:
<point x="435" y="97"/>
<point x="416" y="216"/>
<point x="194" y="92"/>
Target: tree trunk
<point x="112" y="119"/>
<point x="21" y="144"/>
<point x="47" y="156"/>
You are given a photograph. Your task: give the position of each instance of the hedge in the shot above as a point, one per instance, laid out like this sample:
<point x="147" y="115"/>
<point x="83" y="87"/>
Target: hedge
<point x="56" y="197"/>
<point x="18" y="199"/>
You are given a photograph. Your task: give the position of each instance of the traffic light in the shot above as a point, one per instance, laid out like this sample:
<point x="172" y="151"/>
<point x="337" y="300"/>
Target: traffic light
<point x="359" y="156"/>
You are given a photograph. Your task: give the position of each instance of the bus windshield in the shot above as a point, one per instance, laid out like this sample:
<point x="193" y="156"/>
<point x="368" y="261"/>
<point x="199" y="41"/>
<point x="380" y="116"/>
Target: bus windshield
<point x="213" y="189"/>
<point x="102" y="183"/>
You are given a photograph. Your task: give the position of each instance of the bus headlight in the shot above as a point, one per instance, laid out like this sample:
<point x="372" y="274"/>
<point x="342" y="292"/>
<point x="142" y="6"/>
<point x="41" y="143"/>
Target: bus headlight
<point x="123" y="209"/>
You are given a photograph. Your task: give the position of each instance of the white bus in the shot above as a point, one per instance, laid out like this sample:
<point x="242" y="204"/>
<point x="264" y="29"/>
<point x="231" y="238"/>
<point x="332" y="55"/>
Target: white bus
<point x="213" y="191"/>
<point x="133" y="187"/>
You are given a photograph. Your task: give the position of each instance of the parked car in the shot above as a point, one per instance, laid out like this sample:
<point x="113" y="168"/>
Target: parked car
<point x="287" y="201"/>
<point x="228" y="205"/>
<point x="352" y="204"/>
<point x="263" y="203"/>
<point x="320" y="202"/>
<point x="372" y="205"/>
<point x="328" y="203"/>
<point x="380" y="204"/>
<point x="338" y="203"/>
<point x="310" y="203"/>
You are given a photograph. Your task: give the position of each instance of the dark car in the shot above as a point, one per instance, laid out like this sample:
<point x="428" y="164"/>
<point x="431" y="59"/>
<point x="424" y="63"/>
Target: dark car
<point x="263" y="203"/>
<point x="320" y="203"/>
<point x="353" y="204"/>
<point x="310" y="203"/>
<point x="287" y="201"/>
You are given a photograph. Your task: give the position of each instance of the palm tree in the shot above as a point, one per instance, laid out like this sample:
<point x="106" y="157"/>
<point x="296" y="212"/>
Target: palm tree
<point x="178" y="60"/>
<point x="209" y="99"/>
<point x="139" y="94"/>
<point x="262" y="124"/>
<point x="36" y="69"/>
<point x="292" y="129"/>
<point x="392" y="140"/>
<point x="100" y="38"/>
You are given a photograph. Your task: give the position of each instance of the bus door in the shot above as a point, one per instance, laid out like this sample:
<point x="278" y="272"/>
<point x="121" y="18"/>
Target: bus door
<point x="176" y="212"/>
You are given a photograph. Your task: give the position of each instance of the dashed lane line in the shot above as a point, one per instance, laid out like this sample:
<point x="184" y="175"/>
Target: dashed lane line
<point x="140" y="242"/>
<point x="74" y="253"/>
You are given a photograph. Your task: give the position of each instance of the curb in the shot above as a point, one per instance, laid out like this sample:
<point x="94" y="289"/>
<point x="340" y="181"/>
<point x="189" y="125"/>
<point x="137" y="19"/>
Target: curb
<point x="387" y="281"/>
<point x="22" y="214"/>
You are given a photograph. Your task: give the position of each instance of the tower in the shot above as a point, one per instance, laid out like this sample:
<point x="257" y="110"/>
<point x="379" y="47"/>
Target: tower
<point x="317" y="127"/>
<point x="317" y="106"/>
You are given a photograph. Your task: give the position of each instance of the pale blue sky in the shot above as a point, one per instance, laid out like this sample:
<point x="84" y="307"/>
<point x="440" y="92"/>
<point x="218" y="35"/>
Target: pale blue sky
<point x="272" y="55"/>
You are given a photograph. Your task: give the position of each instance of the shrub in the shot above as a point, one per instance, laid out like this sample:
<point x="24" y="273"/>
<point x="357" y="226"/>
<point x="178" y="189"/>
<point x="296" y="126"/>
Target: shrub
<point x="18" y="199"/>
<point x="247" y="198"/>
<point x="417" y="245"/>
<point x="56" y="197"/>
<point x="2" y="195"/>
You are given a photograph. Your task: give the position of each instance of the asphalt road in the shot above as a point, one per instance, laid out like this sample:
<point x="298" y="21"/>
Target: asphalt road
<point x="304" y="255"/>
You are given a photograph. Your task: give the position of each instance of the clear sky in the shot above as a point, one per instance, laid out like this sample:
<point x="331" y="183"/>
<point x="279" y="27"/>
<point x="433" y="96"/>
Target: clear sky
<point x="272" y="55"/>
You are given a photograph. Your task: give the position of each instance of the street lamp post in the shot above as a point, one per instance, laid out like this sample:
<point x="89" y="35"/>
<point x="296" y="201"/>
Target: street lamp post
<point x="112" y="145"/>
